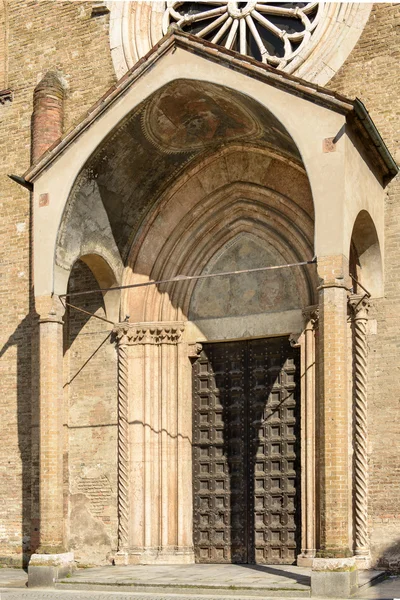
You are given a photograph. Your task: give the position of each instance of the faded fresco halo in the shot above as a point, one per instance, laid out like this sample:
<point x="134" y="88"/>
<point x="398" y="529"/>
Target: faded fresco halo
<point x="183" y="118"/>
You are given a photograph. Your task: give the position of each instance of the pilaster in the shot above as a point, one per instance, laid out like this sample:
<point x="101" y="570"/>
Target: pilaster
<point x="334" y="488"/>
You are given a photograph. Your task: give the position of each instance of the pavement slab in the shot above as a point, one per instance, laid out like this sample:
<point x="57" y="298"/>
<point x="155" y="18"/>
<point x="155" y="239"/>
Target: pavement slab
<point x="275" y="577"/>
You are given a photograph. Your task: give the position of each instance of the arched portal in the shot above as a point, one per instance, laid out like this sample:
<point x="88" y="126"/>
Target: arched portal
<point x="177" y="172"/>
<point x="240" y="200"/>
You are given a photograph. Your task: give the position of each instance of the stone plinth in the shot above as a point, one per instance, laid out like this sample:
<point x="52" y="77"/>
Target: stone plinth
<point x="45" y="569"/>
<point x="334" y="577"/>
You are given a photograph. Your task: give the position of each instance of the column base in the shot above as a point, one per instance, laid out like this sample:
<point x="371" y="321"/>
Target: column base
<point x="305" y="559"/>
<point x="334" y="577"/>
<point x="45" y="569"/>
<point x="363" y="562"/>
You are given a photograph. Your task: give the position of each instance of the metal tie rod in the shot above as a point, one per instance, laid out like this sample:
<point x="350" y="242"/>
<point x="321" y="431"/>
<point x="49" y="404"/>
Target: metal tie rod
<point x="179" y="278"/>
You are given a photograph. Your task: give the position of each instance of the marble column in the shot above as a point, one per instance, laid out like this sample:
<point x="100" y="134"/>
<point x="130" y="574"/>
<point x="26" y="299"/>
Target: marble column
<point x="308" y="415"/>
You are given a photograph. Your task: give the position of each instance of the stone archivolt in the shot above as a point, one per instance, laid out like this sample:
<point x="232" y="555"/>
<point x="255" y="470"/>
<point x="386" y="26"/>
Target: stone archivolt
<point x="199" y="218"/>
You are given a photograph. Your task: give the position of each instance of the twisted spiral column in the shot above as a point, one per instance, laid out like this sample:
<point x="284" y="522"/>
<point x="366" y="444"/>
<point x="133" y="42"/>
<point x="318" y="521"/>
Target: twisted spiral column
<point x="123" y="448"/>
<point x="359" y="306"/>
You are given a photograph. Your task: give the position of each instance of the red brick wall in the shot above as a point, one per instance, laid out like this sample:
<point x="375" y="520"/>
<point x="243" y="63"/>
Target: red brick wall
<point x="43" y="36"/>
<point x="372" y="73"/>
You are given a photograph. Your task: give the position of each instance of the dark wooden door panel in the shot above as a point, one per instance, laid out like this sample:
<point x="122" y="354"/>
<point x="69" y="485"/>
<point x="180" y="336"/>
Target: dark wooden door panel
<point x="219" y="455"/>
<point x="245" y="453"/>
<point x="274" y="452"/>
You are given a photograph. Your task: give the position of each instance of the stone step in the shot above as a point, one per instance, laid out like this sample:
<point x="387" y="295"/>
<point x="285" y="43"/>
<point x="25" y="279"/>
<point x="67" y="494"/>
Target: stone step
<point x="192" y="592"/>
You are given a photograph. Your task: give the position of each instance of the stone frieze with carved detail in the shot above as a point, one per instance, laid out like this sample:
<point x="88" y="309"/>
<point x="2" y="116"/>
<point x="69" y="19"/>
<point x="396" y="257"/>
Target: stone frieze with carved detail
<point x="149" y="333"/>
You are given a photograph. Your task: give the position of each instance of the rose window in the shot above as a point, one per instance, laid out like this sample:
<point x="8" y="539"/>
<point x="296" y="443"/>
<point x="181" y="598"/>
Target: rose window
<point x="271" y="32"/>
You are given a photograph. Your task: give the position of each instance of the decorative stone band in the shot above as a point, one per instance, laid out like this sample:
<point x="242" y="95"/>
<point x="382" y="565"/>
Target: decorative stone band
<point x="129" y="334"/>
<point x="359" y="306"/>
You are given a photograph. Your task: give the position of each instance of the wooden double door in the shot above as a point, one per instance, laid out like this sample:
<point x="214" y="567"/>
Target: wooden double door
<point x="246" y="452"/>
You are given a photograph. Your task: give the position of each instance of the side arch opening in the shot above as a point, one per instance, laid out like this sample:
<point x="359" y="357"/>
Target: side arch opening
<point x="90" y="425"/>
<point x="365" y="256"/>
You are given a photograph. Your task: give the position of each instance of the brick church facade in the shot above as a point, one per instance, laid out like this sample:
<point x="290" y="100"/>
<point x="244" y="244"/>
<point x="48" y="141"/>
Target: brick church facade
<point x="154" y="410"/>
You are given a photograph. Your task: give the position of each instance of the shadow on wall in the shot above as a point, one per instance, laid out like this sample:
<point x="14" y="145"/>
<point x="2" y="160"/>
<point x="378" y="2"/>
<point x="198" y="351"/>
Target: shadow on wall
<point x="390" y="559"/>
<point x="23" y="470"/>
<point x="90" y="436"/>
<point x="24" y="339"/>
<point x="245" y="396"/>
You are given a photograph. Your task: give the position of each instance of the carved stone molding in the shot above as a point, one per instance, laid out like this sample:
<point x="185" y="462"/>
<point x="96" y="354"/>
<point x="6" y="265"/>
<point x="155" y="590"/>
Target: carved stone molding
<point x="123" y="449"/>
<point x="359" y="306"/>
<point x="194" y="350"/>
<point x="135" y="27"/>
<point x="149" y="333"/>
<point x="311" y="315"/>
<point x="294" y="340"/>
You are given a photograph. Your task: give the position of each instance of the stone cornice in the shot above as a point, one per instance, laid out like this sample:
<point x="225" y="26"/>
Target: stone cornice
<point x="167" y="332"/>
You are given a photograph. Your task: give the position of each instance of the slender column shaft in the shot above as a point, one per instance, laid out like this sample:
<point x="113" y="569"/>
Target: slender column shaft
<point x="359" y="307"/>
<point x="123" y="449"/>
<point x="311" y="316"/>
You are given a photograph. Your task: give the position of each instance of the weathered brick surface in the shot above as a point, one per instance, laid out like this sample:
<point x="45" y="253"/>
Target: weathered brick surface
<point x="48" y="114"/>
<point x="333" y="419"/>
<point x="43" y="36"/>
<point x="372" y="73"/>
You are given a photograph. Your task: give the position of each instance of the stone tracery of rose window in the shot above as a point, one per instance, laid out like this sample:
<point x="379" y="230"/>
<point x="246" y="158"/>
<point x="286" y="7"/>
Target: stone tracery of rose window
<point x="308" y="39"/>
<point x="272" y="32"/>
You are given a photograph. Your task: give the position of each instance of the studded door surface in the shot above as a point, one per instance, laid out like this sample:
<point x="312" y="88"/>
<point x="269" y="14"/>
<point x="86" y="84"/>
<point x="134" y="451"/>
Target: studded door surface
<point x="246" y="453"/>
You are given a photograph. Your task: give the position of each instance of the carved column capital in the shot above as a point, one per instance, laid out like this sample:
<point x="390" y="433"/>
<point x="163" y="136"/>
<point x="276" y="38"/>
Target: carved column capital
<point x="359" y="306"/>
<point x="311" y="316"/>
<point x="50" y="309"/>
<point x="294" y="340"/>
<point x="168" y="332"/>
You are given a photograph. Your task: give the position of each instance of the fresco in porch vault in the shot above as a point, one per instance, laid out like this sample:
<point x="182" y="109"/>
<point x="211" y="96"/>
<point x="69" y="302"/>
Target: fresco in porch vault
<point x="247" y="294"/>
<point x="182" y="119"/>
